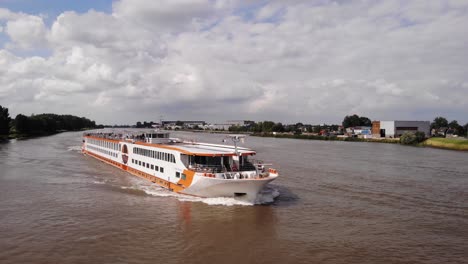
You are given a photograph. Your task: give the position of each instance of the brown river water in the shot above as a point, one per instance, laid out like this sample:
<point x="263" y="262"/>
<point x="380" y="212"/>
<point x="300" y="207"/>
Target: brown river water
<point x="335" y="202"/>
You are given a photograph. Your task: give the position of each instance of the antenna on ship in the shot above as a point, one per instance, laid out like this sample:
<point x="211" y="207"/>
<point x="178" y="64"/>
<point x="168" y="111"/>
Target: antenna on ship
<point x="236" y="139"/>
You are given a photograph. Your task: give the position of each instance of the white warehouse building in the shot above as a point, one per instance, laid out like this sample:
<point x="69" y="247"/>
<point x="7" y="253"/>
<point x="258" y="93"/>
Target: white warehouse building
<point x="397" y="128"/>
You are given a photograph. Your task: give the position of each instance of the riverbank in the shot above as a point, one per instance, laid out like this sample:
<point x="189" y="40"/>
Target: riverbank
<point x="447" y="143"/>
<point x="15" y="135"/>
<point x="460" y="144"/>
<point x="328" y="138"/>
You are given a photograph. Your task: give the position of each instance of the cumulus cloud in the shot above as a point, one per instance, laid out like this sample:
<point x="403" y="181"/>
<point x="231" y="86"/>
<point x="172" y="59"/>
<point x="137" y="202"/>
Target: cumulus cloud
<point x="26" y="32"/>
<point x="309" y="61"/>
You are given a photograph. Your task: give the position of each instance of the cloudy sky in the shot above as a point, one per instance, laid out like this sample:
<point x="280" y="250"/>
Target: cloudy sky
<point x="314" y="61"/>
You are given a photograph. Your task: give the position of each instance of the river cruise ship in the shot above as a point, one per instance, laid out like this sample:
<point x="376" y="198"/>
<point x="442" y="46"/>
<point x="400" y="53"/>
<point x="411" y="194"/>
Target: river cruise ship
<point x="187" y="167"/>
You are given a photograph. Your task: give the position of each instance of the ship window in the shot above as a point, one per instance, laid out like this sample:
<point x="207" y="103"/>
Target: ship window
<point x="139" y="162"/>
<point x="161" y="169"/>
<point x="156" y="168"/>
<point x="144" y="164"/>
<point x="133" y="161"/>
<point x="152" y="166"/>
<point x="177" y="174"/>
<point x="147" y="165"/>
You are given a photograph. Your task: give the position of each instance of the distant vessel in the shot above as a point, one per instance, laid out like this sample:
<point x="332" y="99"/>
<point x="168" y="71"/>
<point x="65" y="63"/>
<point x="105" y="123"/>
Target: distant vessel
<point x="187" y="167"/>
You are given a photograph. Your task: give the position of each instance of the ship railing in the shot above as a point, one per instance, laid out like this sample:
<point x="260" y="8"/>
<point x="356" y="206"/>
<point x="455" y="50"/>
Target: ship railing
<point x="220" y="168"/>
<point x="205" y="168"/>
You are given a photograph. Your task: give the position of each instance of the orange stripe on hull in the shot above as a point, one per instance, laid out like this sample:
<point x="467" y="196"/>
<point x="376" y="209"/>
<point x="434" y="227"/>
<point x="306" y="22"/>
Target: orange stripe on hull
<point x="163" y="183"/>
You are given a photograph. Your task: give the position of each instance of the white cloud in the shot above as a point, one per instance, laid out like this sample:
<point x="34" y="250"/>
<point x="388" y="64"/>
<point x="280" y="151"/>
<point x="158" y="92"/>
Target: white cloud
<point x="6" y="14"/>
<point x="164" y="15"/>
<point x="27" y="32"/>
<point x="216" y="60"/>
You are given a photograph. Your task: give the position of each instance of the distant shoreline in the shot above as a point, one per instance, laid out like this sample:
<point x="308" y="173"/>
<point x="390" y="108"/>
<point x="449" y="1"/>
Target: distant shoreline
<point x="35" y="135"/>
<point x="458" y="144"/>
<point x="328" y="138"/>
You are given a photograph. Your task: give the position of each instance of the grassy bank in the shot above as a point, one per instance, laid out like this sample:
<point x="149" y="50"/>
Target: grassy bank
<point x="447" y="143"/>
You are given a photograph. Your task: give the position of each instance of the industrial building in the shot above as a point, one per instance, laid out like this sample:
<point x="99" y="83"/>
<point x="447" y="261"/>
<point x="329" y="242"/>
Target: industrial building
<point x="397" y="128"/>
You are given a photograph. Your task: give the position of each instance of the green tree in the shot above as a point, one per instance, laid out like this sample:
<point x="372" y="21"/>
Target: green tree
<point x="364" y="121"/>
<point x="4" y="121"/>
<point x="355" y="120"/>
<point x="439" y="122"/>
<point x="50" y="123"/>
<point x="420" y="136"/>
<point x="409" y="138"/>
<point x="22" y="124"/>
<point x="466" y="129"/>
<point x="278" y="127"/>
<point x="459" y="130"/>
<point x="267" y="126"/>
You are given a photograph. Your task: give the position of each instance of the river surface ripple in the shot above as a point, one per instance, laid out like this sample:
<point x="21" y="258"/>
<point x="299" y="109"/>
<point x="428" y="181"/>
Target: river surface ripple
<point x="339" y="202"/>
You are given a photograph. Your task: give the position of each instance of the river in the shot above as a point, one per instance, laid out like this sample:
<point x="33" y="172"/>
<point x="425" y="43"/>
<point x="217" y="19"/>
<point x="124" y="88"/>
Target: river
<point x="334" y="202"/>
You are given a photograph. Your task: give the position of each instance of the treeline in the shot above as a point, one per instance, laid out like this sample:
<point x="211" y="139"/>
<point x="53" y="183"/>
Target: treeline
<point x="41" y="124"/>
<point x="266" y="127"/>
<point x="270" y="126"/>
<point x="441" y="126"/>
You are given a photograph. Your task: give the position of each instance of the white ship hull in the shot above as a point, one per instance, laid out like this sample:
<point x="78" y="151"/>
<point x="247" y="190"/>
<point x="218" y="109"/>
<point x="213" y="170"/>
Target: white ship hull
<point x="212" y="187"/>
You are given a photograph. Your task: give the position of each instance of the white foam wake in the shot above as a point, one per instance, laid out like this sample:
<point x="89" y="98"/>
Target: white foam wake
<point x="266" y="196"/>
<point x="74" y="148"/>
<point x="99" y="182"/>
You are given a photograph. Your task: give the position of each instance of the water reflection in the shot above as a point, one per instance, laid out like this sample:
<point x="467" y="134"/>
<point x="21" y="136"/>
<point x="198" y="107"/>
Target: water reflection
<point x="227" y="234"/>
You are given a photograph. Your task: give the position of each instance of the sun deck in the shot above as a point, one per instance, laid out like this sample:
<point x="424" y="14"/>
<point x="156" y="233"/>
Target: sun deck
<point x="162" y="140"/>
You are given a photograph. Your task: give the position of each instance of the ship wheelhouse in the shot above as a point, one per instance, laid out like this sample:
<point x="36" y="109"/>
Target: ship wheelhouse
<point x="217" y="163"/>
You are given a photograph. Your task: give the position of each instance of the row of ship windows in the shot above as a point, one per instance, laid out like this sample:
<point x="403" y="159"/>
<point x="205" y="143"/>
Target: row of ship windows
<point x="155" y="154"/>
<point x="104" y="144"/>
<point x="156" y="168"/>
<point x="104" y="151"/>
<point x="147" y="165"/>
